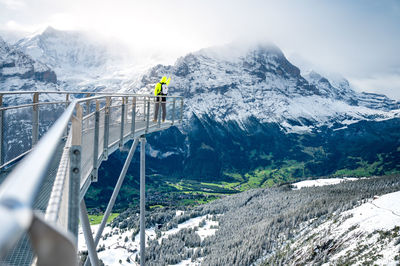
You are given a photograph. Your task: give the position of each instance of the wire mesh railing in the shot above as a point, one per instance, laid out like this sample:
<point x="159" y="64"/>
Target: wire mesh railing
<point x="57" y="140"/>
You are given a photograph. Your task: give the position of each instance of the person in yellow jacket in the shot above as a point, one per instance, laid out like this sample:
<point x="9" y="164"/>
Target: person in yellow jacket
<point x="161" y="89"/>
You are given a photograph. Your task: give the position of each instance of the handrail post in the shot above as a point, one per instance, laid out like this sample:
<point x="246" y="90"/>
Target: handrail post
<point x="106" y="126"/>
<point x="159" y="111"/>
<point x="96" y="142"/>
<point x="121" y="136"/>
<point x="1" y="131"/>
<point x="133" y="116"/>
<point x="35" y="119"/>
<point x="148" y="114"/>
<point x="66" y="106"/>
<point x="144" y="108"/>
<point x="87" y="104"/>
<point x="173" y="110"/>
<point x="75" y="172"/>
<point x="66" y="100"/>
<point x="181" y="110"/>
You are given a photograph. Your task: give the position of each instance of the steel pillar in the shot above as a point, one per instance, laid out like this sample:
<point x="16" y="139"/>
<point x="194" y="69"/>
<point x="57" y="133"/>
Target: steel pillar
<point x="87" y="232"/>
<point x="106" y="127"/>
<point x="1" y="132"/>
<point x="96" y="142"/>
<point x="144" y="108"/>
<point x="35" y="119"/>
<point x="142" y="199"/>
<point x="87" y="104"/>
<point x="75" y="172"/>
<point x="133" y="117"/>
<point x="148" y="115"/>
<point x="121" y="133"/>
<point x="173" y="110"/>
<point x="159" y="113"/>
<point x="114" y="195"/>
<point x="181" y="111"/>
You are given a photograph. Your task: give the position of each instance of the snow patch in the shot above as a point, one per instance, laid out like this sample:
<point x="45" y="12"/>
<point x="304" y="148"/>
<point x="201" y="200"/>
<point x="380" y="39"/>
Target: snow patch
<point x="321" y="182"/>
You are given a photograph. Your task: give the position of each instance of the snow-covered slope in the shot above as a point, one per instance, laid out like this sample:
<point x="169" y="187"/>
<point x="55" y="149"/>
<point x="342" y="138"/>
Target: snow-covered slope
<point x="232" y="83"/>
<point x="124" y="245"/>
<point x="365" y="234"/>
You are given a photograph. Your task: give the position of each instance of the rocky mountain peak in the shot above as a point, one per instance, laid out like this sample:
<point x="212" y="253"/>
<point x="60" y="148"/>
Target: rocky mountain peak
<point x="233" y="83"/>
<point x="65" y="51"/>
<point x="16" y="65"/>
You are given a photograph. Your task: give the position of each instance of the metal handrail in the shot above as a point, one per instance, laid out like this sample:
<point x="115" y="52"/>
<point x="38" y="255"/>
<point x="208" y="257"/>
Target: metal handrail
<point x="112" y="94"/>
<point x="22" y="185"/>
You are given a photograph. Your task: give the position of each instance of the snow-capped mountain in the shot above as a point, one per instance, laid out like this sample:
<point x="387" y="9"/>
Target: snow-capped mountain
<point x="19" y="71"/>
<point x="82" y="61"/>
<point x="65" y="52"/>
<point x="234" y="84"/>
<point x="247" y="108"/>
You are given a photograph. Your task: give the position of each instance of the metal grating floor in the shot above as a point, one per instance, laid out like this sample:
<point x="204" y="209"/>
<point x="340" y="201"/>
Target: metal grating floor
<point x="22" y="253"/>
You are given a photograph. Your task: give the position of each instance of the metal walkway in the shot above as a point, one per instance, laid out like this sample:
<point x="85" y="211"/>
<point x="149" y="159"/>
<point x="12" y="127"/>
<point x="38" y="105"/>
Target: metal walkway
<point x="51" y="146"/>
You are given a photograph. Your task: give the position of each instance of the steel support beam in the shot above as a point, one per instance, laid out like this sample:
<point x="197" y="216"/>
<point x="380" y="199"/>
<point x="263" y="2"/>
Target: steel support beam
<point x="1" y="132"/>
<point x="87" y="104"/>
<point x="173" y="110"/>
<point x="87" y="232"/>
<point x="75" y="172"/>
<point x="133" y="117"/>
<point x="106" y="127"/>
<point x="35" y="119"/>
<point x="121" y="134"/>
<point x="181" y="111"/>
<point x="142" y="199"/>
<point x="74" y="186"/>
<point x="96" y="142"/>
<point x="66" y="106"/>
<point x="114" y="194"/>
<point x="159" y="113"/>
<point x="147" y="115"/>
<point x="144" y="108"/>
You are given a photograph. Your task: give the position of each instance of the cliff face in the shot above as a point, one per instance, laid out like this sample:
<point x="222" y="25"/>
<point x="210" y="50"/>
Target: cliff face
<point x="14" y="64"/>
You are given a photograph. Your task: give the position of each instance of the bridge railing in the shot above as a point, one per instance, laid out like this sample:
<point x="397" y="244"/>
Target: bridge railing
<point x="74" y="132"/>
<point x="26" y="116"/>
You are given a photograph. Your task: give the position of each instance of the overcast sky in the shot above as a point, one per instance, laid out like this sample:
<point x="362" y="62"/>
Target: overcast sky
<point x="358" y="39"/>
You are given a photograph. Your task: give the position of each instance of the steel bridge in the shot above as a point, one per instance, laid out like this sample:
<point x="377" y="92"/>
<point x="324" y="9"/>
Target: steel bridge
<point x="51" y="147"/>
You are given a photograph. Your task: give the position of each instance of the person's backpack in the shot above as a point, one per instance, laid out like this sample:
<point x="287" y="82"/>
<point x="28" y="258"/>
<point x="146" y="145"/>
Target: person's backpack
<point x="164" y="89"/>
<point x="157" y="89"/>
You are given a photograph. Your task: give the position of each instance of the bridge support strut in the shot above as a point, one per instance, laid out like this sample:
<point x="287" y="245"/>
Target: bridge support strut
<point x="114" y="195"/>
<point x="142" y="199"/>
<point x="87" y="232"/>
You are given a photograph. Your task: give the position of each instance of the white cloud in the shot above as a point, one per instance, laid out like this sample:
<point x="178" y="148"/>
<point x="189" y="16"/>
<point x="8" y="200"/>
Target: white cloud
<point x="12" y="4"/>
<point x="388" y="84"/>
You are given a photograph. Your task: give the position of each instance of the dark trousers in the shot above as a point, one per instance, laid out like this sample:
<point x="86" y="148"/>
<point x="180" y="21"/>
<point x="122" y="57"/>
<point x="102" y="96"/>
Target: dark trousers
<point x="162" y="101"/>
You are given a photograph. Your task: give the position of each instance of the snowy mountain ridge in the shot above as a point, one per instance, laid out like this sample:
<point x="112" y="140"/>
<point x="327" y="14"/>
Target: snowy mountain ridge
<point x="83" y="61"/>
<point x="19" y="71"/>
<point x="260" y="82"/>
<point x="65" y="51"/>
